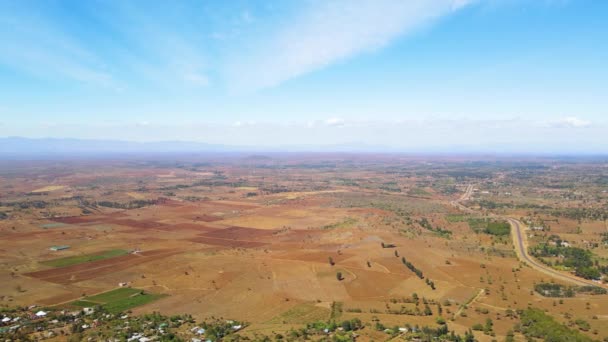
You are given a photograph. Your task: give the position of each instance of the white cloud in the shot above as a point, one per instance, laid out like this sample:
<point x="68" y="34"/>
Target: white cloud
<point x="570" y="122"/>
<point x="336" y="122"/>
<point x="196" y="78"/>
<point x="334" y="30"/>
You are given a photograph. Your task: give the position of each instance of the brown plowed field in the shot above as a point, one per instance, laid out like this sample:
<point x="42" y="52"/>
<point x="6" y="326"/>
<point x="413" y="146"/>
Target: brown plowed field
<point x="138" y="224"/>
<point x="94" y="269"/>
<point x="227" y="242"/>
<point x="239" y="233"/>
<point x="77" y="219"/>
<point x="189" y="226"/>
<point x="204" y="218"/>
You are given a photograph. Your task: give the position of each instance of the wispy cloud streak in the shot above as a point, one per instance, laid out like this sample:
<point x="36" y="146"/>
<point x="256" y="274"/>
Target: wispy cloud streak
<point x="331" y="31"/>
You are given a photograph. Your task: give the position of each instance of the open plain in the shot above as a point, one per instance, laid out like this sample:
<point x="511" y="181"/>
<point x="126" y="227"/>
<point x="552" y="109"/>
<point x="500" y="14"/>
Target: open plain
<point x="288" y="240"/>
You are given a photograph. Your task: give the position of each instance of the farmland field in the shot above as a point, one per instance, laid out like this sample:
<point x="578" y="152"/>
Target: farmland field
<point x="79" y="259"/>
<point x="118" y="300"/>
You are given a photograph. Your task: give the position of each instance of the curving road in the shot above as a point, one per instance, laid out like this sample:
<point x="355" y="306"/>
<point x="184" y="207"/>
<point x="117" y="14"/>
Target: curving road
<point x="521" y="247"/>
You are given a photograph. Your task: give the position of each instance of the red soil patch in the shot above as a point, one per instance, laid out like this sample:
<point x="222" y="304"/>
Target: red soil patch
<point x="240" y="233"/>
<point x="188" y="226"/>
<point x="77" y="219"/>
<point x="94" y="269"/>
<point x="319" y="257"/>
<point x="138" y="224"/>
<point x="227" y="242"/>
<point x="235" y="237"/>
<point x="230" y="205"/>
<point x="205" y="218"/>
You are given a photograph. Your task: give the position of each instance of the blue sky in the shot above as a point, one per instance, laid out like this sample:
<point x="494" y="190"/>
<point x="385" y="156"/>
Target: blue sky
<point x="414" y="75"/>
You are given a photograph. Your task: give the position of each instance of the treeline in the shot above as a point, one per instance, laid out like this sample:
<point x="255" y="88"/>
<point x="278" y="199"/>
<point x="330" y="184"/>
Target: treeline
<point x="487" y="204"/>
<point x="35" y="204"/>
<point x="136" y="204"/>
<point x="562" y="291"/>
<point x="412" y="268"/>
<point x="600" y="214"/>
<point x="216" y="181"/>
<point x="424" y="223"/>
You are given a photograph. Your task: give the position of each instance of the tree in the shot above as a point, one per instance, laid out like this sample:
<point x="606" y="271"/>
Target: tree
<point x="510" y="336"/>
<point x="346" y="326"/>
<point x="339" y="276"/>
<point x="427" y="310"/>
<point x="469" y="337"/>
<point x="331" y="261"/>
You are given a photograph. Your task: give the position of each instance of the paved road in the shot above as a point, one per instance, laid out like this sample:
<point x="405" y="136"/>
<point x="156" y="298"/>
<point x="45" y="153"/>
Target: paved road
<point x="521" y="247"/>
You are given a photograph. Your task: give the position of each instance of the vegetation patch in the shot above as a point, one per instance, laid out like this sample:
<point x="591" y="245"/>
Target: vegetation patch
<point x="118" y="300"/>
<point x="571" y="257"/>
<point x="488" y="226"/>
<point x="80" y="259"/>
<point x="303" y="313"/>
<point x="537" y="324"/>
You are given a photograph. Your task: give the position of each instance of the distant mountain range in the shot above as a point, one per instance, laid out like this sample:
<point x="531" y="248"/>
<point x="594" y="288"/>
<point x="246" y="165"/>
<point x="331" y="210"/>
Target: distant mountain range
<point x="19" y="147"/>
<point x="58" y="148"/>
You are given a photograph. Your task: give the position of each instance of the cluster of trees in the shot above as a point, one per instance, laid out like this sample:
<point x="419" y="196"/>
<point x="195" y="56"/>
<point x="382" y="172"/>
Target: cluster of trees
<point x="487" y="328"/>
<point x="217" y="329"/>
<point x="412" y="268"/>
<point x="331" y="326"/>
<point x="536" y="324"/>
<point x="573" y="257"/>
<point x="554" y="290"/>
<point x="488" y="226"/>
<point x="430" y="283"/>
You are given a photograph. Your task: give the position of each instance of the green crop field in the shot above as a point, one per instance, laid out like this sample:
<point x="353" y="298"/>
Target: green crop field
<point x="79" y="259"/>
<point x="119" y="300"/>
